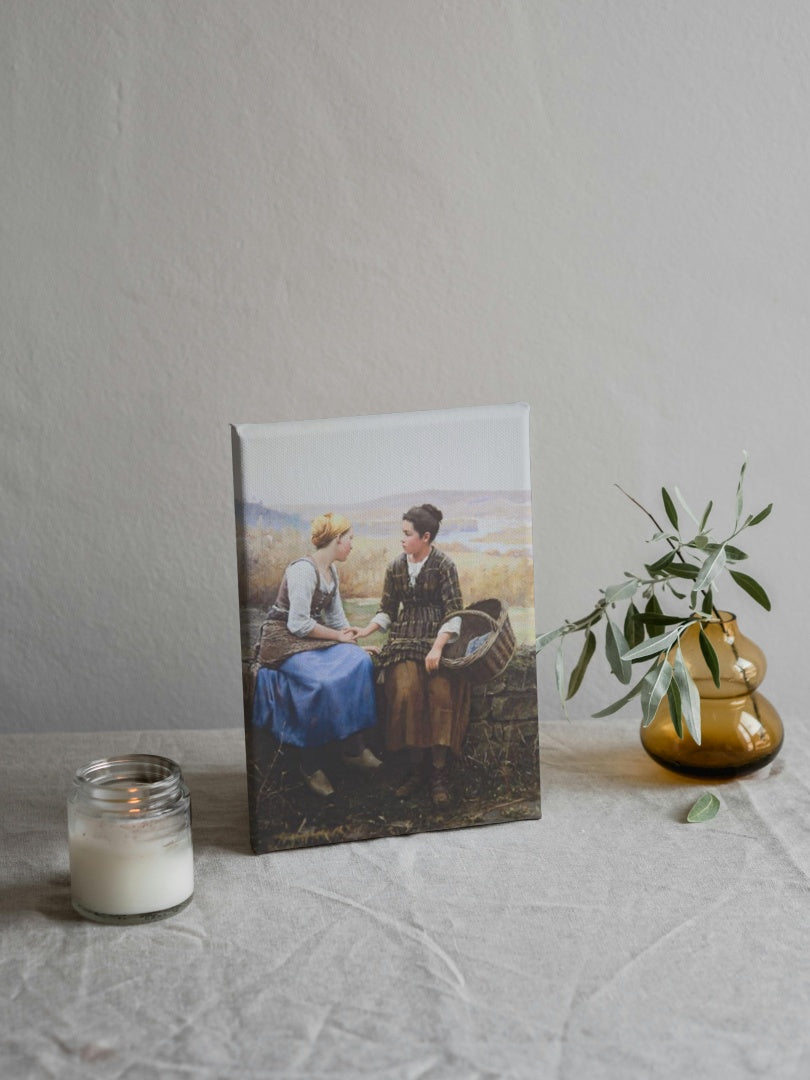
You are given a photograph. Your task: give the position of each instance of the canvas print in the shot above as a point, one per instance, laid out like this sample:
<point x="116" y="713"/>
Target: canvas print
<point x="386" y="598"/>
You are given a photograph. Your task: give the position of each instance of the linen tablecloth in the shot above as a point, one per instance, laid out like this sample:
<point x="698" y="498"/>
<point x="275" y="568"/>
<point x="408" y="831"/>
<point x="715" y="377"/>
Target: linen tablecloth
<point x="609" y="939"/>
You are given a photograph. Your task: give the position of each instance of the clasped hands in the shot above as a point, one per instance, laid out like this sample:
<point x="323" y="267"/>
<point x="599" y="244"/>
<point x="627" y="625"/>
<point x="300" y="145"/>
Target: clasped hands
<point x="352" y="633"/>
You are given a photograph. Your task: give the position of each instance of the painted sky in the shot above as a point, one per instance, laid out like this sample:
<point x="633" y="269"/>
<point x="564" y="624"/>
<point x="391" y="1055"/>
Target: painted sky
<point x="346" y="461"/>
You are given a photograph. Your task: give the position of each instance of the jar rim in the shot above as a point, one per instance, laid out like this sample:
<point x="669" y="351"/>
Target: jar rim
<point x="148" y="780"/>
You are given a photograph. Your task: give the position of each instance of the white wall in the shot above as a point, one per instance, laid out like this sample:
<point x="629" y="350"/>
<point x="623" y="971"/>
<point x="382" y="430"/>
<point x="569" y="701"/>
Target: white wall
<point x="250" y="211"/>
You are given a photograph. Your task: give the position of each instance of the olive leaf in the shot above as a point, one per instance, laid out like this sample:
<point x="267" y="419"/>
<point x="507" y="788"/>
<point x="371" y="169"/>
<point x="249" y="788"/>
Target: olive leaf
<point x="653" y="687"/>
<point x="740" y="489"/>
<point x="633" y="628"/>
<point x="546" y="639"/>
<point x="559" y="672"/>
<point x="669" y="507"/>
<point x="704" y="520"/>
<point x="623" y="591"/>
<point x="753" y="588"/>
<point x="660" y="620"/>
<point x="674" y="702"/>
<point x="683" y="503"/>
<point x="755" y="520"/>
<point x="615" y="648"/>
<point x="733" y="554"/>
<point x="690" y="698"/>
<point x="684" y="570"/>
<point x="710" y="656"/>
<point x="661" y="564"/>
<point x="704" y="809"/>
<point x="652" y="606"/>
<point x="577" y="675"/>
<point x="654" y="645"/>
<point x="711" y="568"/>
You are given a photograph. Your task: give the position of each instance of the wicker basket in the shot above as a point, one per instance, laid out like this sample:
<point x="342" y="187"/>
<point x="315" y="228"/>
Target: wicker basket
<point x="486" y="617"/>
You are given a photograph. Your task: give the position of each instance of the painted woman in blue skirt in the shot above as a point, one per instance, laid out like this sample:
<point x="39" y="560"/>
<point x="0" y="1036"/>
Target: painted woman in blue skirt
<point x="316" y="684"/>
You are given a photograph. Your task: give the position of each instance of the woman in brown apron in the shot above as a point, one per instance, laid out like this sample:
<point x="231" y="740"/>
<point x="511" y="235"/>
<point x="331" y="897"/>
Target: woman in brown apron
<point x="316" y="686"/>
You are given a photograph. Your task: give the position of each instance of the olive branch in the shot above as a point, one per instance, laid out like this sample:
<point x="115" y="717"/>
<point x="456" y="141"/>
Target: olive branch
<point x="693" y="563"/>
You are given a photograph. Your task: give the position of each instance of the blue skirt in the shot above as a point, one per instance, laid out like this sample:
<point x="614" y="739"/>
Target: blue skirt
<point x="316" y="697"/>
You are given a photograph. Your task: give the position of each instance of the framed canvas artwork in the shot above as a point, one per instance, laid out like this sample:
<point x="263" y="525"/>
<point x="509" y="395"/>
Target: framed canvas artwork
<point x="386" y="598"/>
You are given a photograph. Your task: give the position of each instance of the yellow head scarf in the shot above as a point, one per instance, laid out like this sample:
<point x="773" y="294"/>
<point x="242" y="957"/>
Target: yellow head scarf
<point x="325" y="527"/>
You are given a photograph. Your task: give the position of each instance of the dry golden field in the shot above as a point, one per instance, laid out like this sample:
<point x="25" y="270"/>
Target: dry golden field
<point x="507" y="576"/>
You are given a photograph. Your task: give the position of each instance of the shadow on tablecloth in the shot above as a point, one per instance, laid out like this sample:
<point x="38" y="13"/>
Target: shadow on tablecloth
<point x="219" y="809"/>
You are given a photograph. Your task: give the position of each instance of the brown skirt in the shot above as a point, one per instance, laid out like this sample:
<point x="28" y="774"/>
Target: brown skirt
<point x="424" y="710"/>
<point x="276" y="644"/>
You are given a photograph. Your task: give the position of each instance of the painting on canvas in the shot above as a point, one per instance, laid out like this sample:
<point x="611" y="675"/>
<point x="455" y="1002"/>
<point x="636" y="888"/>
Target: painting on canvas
<point x="387" y="609"/>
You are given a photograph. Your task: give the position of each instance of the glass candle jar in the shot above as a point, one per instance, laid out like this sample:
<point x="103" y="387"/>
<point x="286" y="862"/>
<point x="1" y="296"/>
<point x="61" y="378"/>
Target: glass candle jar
<point x="129" y="837"/>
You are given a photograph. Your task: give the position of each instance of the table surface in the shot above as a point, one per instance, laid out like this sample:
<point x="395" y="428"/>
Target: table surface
<point x="608" y="939"/>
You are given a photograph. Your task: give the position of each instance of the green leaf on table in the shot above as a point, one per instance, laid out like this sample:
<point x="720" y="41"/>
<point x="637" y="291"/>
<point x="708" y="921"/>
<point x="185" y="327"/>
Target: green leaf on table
<point x="710" y="656"/>
<point x="690" y="698"/>
<point x="704" y="809"/>
<point x="654" y="686"/>
<point x="615" y="648"/>
<point x="752" y="587"/>
<point x="577" y="675"/>
<point x="669" y="507"/>
<point x="674" y="702"/>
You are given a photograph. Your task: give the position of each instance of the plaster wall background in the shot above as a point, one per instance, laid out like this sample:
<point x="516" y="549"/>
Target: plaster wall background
<point x="257" y="211"/>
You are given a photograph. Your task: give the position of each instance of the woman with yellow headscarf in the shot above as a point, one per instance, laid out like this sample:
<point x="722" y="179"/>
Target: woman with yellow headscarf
<point x="316" y="685"/>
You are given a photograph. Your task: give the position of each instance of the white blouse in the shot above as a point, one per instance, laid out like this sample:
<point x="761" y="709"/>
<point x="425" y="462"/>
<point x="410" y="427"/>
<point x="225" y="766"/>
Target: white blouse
<point x="301" y="586"/>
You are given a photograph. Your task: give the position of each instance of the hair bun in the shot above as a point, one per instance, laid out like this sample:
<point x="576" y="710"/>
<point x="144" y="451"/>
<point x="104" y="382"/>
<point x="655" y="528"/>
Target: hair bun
<point x="431" y="509"/>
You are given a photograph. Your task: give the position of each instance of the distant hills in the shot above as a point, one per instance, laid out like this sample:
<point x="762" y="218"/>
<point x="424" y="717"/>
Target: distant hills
<point x="468" y="515"/>
<point x="251" y="514"/>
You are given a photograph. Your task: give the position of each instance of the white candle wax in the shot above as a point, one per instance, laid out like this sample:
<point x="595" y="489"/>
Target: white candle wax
<point x="129" y="867"/>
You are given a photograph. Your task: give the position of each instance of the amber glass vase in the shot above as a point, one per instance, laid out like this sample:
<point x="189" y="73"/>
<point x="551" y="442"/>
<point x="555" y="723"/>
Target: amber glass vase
<point x="740" y="729"/>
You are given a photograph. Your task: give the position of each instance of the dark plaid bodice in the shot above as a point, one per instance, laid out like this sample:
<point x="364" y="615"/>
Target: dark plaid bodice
<point x="417" y="611"/>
